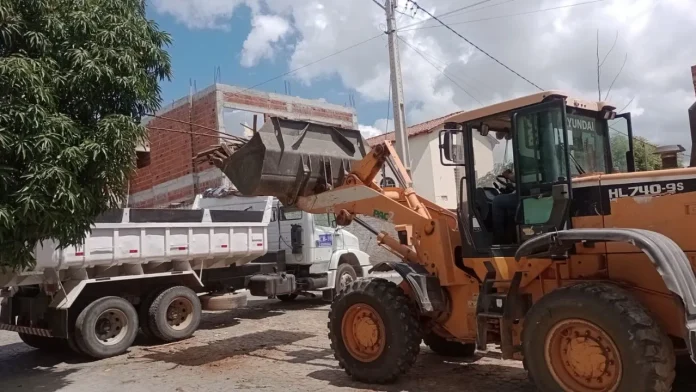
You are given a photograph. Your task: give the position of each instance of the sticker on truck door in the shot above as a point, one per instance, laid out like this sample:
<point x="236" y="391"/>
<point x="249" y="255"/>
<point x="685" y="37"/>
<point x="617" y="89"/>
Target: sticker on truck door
<point x="325" y="240"/>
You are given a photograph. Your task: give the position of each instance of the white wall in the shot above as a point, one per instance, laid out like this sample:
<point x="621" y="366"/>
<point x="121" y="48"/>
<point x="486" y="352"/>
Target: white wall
<point x="434" y="181"/>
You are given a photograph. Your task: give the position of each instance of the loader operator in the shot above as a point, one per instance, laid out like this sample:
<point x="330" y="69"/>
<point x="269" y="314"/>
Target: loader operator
<point x="504" y="206"/>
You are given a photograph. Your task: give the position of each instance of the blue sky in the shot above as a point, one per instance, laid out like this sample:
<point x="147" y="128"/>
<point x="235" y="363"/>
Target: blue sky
<point x="196" y="52"/>
<point x="551" y="42"/>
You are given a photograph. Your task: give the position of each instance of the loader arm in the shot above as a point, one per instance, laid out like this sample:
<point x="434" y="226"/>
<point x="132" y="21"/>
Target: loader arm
<point x="434" y="229"/>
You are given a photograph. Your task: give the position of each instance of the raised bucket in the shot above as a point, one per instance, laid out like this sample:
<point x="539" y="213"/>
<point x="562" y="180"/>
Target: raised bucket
<point x="288" y="159"/>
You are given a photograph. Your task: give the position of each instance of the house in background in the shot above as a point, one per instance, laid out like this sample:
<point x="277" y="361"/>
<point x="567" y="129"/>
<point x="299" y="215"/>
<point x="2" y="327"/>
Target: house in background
<point x="432" y="180"/>
<point x="167" y="176"/>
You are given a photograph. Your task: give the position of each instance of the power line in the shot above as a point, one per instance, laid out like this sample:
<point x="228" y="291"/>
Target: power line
<point x="507" y="16"/>
<point x="313" y="62"/>
<point x="449" y="13"/>
<point x="476" y="46"/>
<point x="442" y="71"/>
<point x="444" y="66"/>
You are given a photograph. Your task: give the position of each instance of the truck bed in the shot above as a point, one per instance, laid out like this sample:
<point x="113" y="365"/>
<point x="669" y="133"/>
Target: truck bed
<point x="142" y="241"/>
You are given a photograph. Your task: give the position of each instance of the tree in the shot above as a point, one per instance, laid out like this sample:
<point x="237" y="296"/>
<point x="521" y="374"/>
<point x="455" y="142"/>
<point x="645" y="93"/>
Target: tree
<point x="643" y="152"/>
<point x="76" y="78"/>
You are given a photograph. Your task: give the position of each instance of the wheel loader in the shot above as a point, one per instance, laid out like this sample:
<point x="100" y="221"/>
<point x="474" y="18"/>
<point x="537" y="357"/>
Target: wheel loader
<point x="590" y="280"/>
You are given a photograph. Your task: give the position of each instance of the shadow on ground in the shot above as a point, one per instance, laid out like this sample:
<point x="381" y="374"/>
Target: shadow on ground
<point x="433" y="372"/>
<point x="228" y="348"/>
<point x="26" y="369"/>
<point x="257" y="310"/>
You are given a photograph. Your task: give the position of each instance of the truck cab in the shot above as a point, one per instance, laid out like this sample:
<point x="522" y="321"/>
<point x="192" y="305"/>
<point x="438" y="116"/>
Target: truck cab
<point x="321" y="255"/>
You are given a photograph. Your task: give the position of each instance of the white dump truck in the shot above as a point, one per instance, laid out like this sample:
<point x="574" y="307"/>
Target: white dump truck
<point x="138" y="269"/>
<point x="321" y="257"/>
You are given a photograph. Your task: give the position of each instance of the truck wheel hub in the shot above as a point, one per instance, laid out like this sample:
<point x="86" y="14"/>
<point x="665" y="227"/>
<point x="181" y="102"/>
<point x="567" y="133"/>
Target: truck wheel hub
<point x="178" y="313"/>
<point x="582" y="357"/>
<point x="363" y="332"/>
<point x="111" y="326"/>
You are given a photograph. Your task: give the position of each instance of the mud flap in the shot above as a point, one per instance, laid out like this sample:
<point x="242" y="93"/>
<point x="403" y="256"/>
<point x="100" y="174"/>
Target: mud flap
<point x="426" y="287"/>
<point x="288" y="159"/>
<point x="668" y="258"/>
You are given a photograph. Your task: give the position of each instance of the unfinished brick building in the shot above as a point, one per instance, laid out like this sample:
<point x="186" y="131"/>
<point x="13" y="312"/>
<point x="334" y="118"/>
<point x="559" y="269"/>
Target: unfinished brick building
<point x="167" y="176"/>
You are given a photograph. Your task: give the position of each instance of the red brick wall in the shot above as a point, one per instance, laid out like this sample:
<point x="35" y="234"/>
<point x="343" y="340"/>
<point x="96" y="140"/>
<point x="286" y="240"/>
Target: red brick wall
<point x="171" y="151"/>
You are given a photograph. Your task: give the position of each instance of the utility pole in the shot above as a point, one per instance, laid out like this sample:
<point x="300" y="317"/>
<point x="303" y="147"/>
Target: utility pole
<point x="396" y="85"/>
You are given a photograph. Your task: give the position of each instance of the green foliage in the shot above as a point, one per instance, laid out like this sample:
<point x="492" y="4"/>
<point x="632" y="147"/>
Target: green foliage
<point x="76" y="77"/>
<point x="643" y="152"/>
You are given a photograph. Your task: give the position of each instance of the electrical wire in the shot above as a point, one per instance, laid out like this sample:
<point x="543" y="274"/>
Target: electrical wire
<point x="506" y="16"/>
<point x="449" y="13"/>
<point x="442" y="71"/>
<point x="476" y="46"/>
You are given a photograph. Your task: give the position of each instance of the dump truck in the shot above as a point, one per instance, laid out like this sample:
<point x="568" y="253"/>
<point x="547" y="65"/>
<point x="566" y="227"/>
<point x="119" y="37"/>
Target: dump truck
<point x="152" y="270"/>
<point x="588" y="278"/>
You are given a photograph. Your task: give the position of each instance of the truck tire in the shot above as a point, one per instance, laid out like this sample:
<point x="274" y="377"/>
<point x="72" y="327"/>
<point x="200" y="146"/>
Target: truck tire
<point x="345" y="276"/>
<point x="106" y="327"/>
<point x="44" y="343"/>
<point x="144" y="313"/>
<point x="175" y="314"/>
<point x="374" y="331"/>
<point x="447" y="348"/>
<point x="595" y="336"/>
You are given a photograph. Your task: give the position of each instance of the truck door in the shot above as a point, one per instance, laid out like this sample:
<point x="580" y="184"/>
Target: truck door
<point x="323" y="238"/>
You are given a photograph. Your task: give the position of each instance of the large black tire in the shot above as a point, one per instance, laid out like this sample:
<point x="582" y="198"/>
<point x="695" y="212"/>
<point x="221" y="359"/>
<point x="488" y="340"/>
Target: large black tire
<point x="44" y="343"/>
<point x="184" y="305"/>
<point x="99" y="320"/>
<point x="644" y="350"/>
<point x="144" y="313"/>
<point x="448" y="348"/>
<point x="345" y="276"/>
<point x="287" y="297"/>
<point x="402" y="333"/>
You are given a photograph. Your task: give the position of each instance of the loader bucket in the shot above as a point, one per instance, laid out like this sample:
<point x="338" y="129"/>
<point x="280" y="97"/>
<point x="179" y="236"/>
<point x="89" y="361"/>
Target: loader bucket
<point x="288" y="159"/>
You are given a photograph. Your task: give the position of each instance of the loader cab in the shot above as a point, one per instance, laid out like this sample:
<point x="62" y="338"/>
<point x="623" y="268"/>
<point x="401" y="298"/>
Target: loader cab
<point x="544" y="143"/>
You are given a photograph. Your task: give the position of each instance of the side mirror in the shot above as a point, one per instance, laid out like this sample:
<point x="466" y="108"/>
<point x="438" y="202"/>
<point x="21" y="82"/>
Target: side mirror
<point x="452" y="144"/>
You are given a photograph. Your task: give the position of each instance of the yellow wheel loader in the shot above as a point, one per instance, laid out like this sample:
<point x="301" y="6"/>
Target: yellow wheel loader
<point x="583" y="272"/>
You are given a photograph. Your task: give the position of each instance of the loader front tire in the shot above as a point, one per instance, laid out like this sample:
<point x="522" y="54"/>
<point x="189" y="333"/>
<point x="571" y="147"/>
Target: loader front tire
<point x="595" y="337"/>
<point x="374" y="331"/>
<point x="447" y="348"/>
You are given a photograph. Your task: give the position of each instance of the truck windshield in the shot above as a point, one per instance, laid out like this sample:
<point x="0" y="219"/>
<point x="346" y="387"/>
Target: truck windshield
<point x="586" y="141"/>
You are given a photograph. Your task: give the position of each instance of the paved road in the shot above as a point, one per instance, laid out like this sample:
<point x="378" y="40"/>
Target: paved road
<point x="267" y="346"/>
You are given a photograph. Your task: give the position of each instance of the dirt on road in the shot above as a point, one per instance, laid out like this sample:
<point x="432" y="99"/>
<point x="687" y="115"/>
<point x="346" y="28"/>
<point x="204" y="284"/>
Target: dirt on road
<point x="268" y="345"/>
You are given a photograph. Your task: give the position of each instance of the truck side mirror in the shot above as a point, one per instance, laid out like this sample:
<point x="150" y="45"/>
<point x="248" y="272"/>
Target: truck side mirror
<point x="452" y="145"/>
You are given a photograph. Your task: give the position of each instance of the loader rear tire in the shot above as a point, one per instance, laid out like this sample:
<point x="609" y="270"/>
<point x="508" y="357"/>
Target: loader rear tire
<point x="449" y="348"/>
<point x="107" y="327"/>
<point x="374" y="331"/>
<point x="175" y="314"/>
<point x="595" y="336"/>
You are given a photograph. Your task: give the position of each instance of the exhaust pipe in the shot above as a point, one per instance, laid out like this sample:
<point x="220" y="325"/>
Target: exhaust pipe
<point x="692" y="127"/>
<point x="288" y="159"/>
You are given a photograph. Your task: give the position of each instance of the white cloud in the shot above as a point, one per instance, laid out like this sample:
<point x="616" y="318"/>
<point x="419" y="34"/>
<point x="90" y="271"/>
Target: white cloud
<point x="266" y="31"/>
<point x="555" y="49"/>
<point x="369" y="131"/>
<point x="199" y="14"/>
